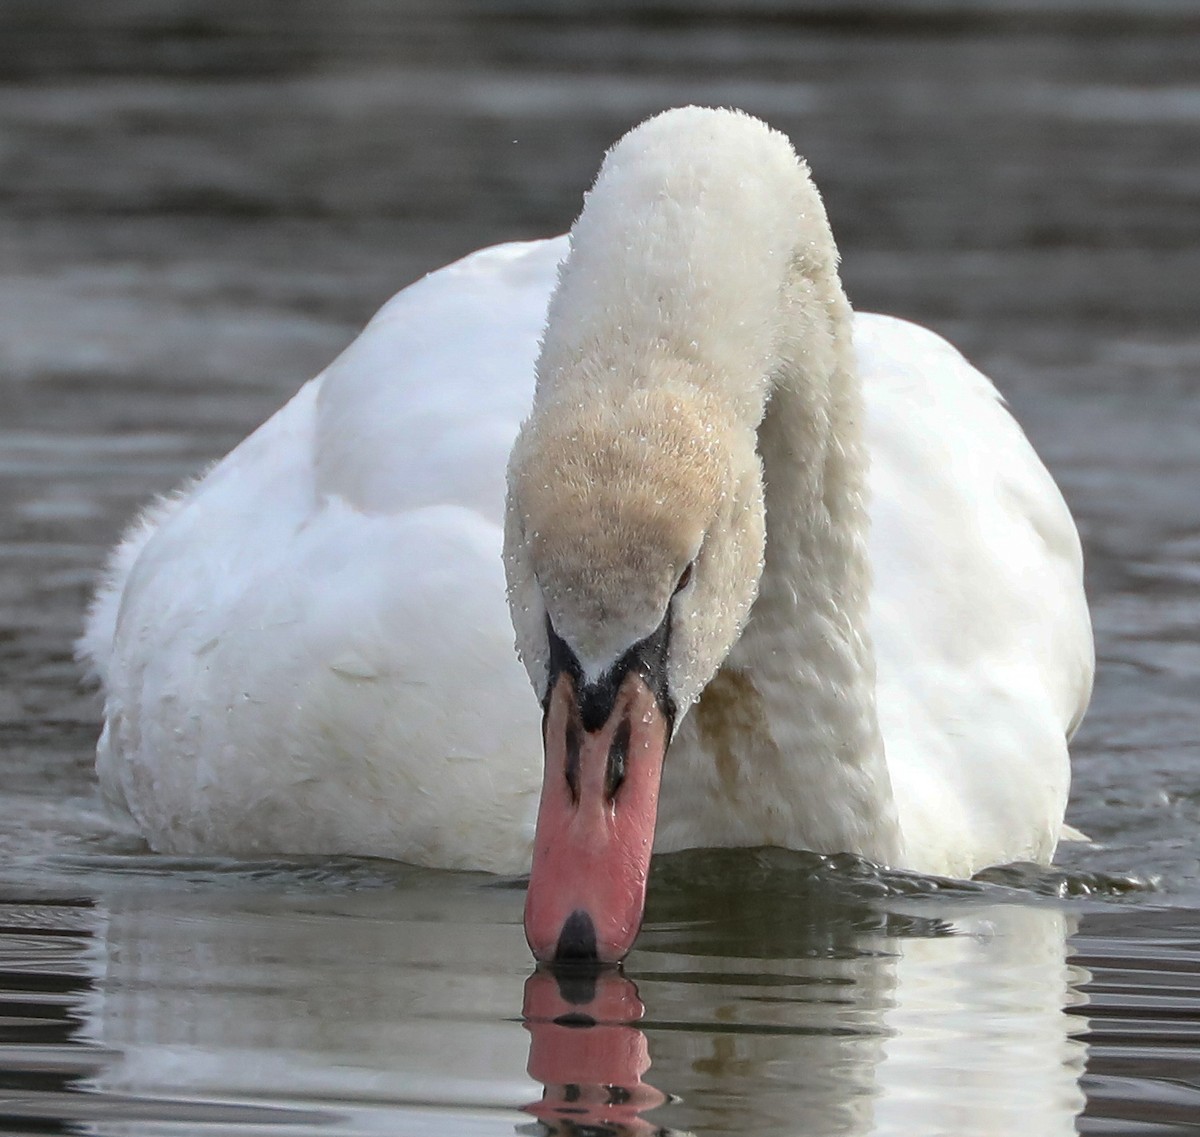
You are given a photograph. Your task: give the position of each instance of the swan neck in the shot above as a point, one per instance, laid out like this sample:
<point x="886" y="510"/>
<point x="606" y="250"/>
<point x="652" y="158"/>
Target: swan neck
<point x="703" y="274"/>
<point x="807" y="644"/>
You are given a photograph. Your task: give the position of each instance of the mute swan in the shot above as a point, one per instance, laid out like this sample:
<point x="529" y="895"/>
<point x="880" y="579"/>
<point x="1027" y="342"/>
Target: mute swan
<point x="821" y="532"/>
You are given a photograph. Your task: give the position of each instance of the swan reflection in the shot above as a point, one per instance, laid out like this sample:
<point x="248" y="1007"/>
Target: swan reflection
<point x="587" y="1054"/>
<point x="933" y="1016"/>
<point x="402" y="1002"/>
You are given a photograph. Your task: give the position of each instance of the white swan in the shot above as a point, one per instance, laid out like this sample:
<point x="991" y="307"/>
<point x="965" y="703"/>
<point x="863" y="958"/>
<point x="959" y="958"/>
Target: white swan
<point x="883" y="622"/>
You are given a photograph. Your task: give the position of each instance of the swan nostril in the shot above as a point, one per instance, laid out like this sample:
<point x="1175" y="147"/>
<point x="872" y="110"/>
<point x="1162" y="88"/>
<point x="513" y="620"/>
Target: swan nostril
<point x="685" y="578"/>
<point x="577" y="940"/>
<point x="618" y="754"/>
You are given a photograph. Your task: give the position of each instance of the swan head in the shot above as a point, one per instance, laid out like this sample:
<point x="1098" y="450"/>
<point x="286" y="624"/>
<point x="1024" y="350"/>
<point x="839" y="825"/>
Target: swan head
<point x="633" y="548"/>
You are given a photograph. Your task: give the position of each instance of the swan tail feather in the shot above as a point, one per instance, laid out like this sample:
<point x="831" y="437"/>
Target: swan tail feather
<point x="93" y="649"/>
<point x="1070" y="833"/>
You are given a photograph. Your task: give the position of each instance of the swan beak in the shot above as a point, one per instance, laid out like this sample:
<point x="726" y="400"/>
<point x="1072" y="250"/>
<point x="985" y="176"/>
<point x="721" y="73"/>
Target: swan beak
<point x="595" y="827"/>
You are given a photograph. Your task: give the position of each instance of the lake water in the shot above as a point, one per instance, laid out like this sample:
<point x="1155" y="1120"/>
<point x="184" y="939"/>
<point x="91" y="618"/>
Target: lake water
<point x="200" y="203"/>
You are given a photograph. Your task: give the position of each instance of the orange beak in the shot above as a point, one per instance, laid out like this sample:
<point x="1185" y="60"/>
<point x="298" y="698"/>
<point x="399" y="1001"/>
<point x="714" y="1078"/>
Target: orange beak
<point x="595" y="827"/>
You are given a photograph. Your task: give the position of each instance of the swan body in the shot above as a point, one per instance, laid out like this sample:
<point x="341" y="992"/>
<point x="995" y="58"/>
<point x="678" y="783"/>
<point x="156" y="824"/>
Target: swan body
<point x="308" y="649"/>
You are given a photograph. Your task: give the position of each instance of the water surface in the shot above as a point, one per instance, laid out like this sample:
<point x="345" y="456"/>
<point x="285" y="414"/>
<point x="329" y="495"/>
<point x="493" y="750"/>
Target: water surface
<point x="200" y="203"/>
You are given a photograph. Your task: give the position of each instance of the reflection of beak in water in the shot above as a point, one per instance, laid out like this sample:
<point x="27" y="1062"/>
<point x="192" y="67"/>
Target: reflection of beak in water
<point x="587" y="1053"/>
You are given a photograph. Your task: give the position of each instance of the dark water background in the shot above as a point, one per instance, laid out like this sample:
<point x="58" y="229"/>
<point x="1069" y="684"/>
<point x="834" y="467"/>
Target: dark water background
<point x="201" y="201"/>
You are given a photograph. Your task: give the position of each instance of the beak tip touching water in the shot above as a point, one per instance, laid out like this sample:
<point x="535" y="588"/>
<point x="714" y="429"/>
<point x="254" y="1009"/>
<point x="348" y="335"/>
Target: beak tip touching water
<point x="580" y="940"/>
<point x="595" y="827"/>
<point x="577" y="940"/>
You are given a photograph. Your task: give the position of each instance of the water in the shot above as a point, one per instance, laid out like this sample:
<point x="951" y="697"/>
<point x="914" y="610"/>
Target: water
<point x="201" y="202"/>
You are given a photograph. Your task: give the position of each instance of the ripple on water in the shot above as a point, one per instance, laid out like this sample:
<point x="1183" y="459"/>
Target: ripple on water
<point x="1143" y="1021"/>
<point x="157" y="307"/>
<point x="768" y="988"/>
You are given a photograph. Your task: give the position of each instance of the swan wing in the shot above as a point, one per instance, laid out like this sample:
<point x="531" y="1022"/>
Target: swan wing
<point x="308" y="649"/>
<point x="983" y="641"/>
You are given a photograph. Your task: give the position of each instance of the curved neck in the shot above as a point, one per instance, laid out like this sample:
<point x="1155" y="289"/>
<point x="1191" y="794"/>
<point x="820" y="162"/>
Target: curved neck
<point x="805" y="767"/>
<point x="708" y="243"/>
<point x="815" y="587"/>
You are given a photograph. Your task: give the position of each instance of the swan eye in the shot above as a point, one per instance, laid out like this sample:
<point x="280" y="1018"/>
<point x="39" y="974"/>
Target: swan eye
<point x="684" y="578"/>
